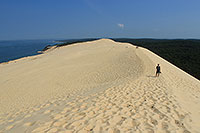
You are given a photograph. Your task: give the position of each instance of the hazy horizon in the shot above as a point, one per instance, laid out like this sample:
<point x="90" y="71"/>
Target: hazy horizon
<point x="59" y="39"/>
<point x="49" y="19"/>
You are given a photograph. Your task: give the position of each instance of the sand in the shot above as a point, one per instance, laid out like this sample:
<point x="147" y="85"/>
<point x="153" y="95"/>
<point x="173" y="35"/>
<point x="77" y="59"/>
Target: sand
<point x="97" y="86"/>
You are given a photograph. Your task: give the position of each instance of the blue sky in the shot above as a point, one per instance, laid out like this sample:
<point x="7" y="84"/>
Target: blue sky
<point x="68" y="19"/>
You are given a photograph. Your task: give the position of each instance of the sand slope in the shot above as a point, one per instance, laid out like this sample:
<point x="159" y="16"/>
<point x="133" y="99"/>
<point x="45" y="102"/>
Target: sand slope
<point x="99" y="86"/>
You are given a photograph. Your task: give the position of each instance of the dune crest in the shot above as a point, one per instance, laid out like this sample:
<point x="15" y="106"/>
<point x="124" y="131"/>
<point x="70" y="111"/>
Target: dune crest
<point x="98" y="86"/>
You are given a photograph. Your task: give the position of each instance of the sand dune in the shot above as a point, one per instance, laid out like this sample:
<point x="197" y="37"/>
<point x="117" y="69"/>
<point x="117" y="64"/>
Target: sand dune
<point x="98" y="86"/>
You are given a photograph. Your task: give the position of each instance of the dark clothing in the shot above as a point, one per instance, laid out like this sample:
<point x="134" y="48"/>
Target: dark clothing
<point x="158" y="69"/>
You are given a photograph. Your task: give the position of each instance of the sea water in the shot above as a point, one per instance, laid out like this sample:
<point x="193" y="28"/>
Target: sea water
<point x="11" y="50"/>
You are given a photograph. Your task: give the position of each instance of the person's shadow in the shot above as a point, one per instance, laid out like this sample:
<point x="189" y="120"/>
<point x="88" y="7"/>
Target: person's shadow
<point x="150" y="76"/>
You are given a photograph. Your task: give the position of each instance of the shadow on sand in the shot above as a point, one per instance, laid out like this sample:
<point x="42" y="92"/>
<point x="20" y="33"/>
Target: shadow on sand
<point x="150" y="76"/>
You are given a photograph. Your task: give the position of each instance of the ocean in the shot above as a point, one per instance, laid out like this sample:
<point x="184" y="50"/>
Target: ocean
<point x="11" y="50"/>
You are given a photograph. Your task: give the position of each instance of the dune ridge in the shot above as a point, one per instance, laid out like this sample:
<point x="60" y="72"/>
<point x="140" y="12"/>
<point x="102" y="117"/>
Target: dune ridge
<point x="97" y="86"/>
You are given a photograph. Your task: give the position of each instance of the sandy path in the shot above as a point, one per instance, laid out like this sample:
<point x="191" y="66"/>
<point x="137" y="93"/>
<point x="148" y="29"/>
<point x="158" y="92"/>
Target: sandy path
<point x="128" y="103"/>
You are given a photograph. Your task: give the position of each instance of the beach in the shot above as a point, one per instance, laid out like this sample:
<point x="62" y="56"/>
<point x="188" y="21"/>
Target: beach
<point x="97" y="86"/>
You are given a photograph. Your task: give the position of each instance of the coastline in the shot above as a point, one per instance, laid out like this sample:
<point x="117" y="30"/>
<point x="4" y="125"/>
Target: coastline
<point x="49" y="47"/>
<point x="39" y="52"/>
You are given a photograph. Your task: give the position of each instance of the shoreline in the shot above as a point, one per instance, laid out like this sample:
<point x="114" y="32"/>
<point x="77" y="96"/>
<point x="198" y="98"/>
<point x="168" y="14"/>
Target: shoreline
<point x="56" y="44"/>
<point x="38" y="52"/>
<point x="19" y="59"/>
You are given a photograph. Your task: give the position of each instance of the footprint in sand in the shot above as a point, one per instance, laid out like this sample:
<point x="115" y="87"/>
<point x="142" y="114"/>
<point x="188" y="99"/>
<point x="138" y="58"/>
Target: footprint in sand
<point x="9" y="127"/>
<point x="28" y="124"/>
<point x="27" y="116"/>
<point x="47" y="111"/>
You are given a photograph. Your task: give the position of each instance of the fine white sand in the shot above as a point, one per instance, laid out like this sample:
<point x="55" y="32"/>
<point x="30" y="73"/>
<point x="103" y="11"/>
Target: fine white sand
<point x="98" y="86"/>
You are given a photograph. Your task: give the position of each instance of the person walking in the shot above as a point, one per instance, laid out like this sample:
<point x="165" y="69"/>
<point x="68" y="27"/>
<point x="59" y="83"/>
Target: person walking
<point x="158" y="70"/>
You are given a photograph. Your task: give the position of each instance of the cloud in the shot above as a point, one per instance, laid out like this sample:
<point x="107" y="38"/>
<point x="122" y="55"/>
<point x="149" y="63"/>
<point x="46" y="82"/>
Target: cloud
<point x="121" y="25"/>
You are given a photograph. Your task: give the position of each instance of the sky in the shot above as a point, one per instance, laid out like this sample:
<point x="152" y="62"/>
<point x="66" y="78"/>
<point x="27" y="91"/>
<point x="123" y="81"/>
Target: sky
<point x="72" y="19"/>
